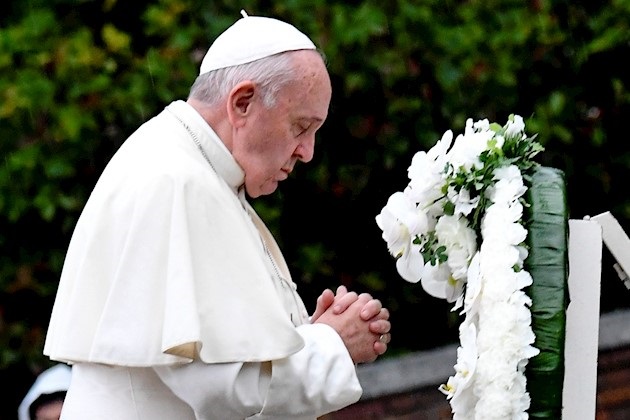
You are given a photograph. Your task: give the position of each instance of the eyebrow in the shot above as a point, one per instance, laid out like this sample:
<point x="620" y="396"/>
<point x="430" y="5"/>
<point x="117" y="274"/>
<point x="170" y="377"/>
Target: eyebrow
<point x="311" y="119"/>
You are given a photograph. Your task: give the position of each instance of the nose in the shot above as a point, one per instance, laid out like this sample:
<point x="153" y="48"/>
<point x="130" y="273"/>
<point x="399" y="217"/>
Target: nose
<point x="305" y="149"/>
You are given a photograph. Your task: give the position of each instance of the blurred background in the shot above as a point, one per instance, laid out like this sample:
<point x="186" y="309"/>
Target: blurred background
<point x="78" y="76"/>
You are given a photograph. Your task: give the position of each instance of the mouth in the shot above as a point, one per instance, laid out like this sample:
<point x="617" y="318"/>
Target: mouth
<point x="283" y="175"/>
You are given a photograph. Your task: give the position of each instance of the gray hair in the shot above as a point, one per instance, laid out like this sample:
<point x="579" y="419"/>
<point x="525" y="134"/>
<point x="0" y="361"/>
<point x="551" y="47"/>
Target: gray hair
<point x="269" y="73"/>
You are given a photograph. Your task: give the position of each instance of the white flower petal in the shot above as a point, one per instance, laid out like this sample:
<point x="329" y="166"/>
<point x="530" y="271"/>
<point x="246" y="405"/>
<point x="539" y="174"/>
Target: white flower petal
<point x="410" y="265"/>
<point x="435" y="281"/>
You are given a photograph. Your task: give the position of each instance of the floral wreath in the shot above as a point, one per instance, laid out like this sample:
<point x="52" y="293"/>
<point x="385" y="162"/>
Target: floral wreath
<point x="458" y="228"/>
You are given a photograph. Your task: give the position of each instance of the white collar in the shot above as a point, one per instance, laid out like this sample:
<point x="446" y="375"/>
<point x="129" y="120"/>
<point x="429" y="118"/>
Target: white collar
<point x="210" y="143"/>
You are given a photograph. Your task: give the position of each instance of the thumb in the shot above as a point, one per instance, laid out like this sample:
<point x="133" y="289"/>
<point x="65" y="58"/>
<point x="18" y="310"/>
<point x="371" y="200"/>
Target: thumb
<point x="323" y="302"/>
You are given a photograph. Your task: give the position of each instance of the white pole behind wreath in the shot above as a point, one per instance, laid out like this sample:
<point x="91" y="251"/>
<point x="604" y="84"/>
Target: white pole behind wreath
<point x="582" y="329"/>
<point x="582" y="325"/>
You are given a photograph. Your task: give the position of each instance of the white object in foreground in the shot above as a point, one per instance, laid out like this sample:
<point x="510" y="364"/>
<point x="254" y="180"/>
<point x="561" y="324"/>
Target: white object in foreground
<point x="582" y="327"/>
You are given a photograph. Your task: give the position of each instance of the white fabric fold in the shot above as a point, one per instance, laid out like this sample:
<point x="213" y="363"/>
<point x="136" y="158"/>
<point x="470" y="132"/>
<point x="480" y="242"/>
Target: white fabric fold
<point x="165" y="265"/>
<point x="319" y="379"/>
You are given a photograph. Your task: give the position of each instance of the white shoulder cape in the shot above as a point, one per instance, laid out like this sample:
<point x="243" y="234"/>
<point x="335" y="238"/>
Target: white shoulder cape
<point x="165" y="265"/>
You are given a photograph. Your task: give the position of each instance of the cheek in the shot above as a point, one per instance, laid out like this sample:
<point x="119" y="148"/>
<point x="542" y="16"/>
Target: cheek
<point x="273" y="153"/>
<point x="265" y="151"/>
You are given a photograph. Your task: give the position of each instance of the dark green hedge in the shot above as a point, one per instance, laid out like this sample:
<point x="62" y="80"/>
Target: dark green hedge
<point x="77" y="76"/>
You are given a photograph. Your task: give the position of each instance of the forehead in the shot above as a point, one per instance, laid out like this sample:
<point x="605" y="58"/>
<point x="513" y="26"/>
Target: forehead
<point x="308" y="96"/>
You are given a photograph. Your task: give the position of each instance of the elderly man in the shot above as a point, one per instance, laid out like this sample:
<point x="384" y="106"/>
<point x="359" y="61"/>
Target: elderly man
<point x="175" y="301"/>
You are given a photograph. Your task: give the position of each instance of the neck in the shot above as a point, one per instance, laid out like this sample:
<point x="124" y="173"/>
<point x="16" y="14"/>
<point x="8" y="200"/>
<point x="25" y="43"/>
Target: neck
<point x="216" y="117"/>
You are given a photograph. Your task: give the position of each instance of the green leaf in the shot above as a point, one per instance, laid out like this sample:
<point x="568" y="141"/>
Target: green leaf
<point x="116" y="40"/>
<point x="547" y="219"/>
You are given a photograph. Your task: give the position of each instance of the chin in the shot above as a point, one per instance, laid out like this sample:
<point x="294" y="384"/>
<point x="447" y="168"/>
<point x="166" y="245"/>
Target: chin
<point x="269" y="189"/>
<point x="263" y="190"/>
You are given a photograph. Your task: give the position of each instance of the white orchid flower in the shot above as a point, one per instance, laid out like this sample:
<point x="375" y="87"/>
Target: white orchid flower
<point x="410" y="265"/>
<point x="438" y="282"/>
<point x="464" y="205"/>
<point x="473" y="286"/>
<point x="465" y="153"/>
<point x="426" y="173"/>
<point x="515" y="127"/>
<point x="480" y="125"/>
<point x="400" y="222"/>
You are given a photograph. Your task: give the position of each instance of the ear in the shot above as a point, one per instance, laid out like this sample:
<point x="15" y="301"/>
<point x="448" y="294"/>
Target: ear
<point x="240" y="101"/>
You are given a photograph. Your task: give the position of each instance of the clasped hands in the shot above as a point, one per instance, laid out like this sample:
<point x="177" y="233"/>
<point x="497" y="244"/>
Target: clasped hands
<point x="360" y="320"/>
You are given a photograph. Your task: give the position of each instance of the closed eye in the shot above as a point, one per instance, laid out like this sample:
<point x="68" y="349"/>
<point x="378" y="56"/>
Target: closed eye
<point x="301" y="130"/>
<point x="304" y="125"/>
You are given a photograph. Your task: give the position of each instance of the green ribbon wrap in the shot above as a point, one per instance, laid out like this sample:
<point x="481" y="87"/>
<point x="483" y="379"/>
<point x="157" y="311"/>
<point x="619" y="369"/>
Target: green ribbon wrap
<point x="547" y="221"/>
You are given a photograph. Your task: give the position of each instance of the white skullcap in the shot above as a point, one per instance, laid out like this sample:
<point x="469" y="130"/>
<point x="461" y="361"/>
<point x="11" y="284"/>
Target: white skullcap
<point x="252" y="38"/>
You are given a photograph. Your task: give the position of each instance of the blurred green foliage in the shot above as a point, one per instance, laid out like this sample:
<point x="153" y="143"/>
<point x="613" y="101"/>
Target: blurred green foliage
<point x="78" y="76"/>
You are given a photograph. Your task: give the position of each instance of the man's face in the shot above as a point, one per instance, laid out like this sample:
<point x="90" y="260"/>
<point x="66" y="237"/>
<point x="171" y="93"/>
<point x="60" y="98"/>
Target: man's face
<point x="272" y="141"/>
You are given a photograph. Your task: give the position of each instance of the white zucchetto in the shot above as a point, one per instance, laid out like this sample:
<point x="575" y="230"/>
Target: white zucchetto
<point x="252" y="38"/>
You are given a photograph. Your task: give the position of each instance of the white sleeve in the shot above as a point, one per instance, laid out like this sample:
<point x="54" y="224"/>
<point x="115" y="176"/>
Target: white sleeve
<point x="318" y="379"/>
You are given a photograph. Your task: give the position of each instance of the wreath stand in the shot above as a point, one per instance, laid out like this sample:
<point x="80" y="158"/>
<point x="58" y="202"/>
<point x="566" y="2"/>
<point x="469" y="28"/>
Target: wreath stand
<point x="582" y="324"/>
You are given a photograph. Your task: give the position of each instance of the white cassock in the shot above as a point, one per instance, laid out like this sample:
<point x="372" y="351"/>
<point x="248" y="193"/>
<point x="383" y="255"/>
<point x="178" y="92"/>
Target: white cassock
<point x="175" y="301"/>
